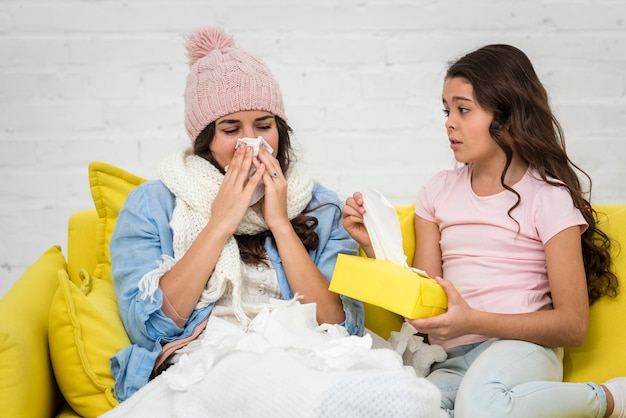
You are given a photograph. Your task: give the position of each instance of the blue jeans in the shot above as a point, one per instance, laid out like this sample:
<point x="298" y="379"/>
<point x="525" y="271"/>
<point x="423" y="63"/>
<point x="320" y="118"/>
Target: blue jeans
<point x="511" y="378"/>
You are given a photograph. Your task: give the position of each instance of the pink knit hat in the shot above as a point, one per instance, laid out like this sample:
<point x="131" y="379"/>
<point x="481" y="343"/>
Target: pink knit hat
<point x="224" y="79"/>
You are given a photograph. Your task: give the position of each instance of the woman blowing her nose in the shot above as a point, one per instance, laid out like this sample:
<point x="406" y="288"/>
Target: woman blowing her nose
<point x="231" y="223"/>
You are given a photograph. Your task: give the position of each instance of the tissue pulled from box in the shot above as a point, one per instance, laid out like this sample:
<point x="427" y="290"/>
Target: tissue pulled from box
<point x="387" y="281"/>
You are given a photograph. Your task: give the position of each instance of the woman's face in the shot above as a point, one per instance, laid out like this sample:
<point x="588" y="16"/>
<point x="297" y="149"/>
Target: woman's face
<point x="244" y="124"/>
<point x="467" y="124"/>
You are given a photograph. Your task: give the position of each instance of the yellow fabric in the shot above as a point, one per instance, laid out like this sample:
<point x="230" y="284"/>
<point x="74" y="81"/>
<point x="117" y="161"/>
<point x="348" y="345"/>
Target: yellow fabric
<point x="84" y="327"/>
<point x="406" y="217"/>
<point x="85" y="330"/>
<point x="109" y="187"/>
<point x="27" y="387"/>
<point x="601" y="357"/>
<point x="81" y="243"/>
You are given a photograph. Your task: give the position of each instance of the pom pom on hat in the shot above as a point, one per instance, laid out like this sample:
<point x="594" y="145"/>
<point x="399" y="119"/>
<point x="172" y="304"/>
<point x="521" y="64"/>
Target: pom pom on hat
<point x="204" y="41"/>
<point x="224" y="79"/>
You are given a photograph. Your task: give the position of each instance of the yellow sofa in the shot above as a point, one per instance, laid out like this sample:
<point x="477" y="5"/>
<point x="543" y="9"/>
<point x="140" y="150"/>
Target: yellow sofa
<point x="59" y="322"/>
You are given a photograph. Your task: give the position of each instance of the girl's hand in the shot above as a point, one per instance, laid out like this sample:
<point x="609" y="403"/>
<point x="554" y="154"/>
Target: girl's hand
<point x="233" y="198"/>
<point x="275" y="199"/>
<point x="352" y="220"/>
<point x="455" y="322"/>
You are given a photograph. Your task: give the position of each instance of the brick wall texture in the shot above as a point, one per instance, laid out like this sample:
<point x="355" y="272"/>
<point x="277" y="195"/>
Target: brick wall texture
<point x="84" y="80"/>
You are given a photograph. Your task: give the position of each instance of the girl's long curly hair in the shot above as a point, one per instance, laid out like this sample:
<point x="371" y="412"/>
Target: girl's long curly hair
<point x="252" y="247"/>
<point x="505" y="82"/>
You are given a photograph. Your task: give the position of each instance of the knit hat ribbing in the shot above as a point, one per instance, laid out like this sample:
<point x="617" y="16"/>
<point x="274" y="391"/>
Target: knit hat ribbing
<point x="224" y="79"/>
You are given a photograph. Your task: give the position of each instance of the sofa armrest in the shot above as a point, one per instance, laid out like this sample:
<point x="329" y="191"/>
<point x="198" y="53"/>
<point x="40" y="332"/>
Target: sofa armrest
<point x="27" y="384"/>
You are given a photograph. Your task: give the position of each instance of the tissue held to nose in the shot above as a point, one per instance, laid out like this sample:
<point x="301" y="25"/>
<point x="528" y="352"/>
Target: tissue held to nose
<point x="256" y="144"/>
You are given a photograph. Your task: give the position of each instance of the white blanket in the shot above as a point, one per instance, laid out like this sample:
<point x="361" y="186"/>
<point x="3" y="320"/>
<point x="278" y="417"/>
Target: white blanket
<point x="284" y="366"/>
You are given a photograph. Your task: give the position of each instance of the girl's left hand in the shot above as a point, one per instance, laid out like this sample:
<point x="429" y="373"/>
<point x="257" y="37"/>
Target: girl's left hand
<point x="457" y="321"/>
<point x="275" y="200"/>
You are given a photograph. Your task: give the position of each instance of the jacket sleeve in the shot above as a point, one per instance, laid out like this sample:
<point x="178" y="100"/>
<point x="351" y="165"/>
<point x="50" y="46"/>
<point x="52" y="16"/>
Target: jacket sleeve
<point x="334" y="240"/>
<point x="142" y="245"/>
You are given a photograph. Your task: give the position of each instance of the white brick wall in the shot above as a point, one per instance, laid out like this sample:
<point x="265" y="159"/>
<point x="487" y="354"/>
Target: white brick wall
<point x="84" y="80"/>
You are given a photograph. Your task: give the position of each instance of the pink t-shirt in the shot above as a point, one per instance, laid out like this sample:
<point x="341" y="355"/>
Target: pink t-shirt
<point x="497" y="264"/>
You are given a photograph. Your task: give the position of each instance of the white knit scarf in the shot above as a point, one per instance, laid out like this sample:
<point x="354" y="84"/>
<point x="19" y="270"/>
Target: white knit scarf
<point x="195" y="183"/>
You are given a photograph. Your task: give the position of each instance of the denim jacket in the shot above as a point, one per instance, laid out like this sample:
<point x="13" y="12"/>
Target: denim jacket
<point x="141" y="238"/>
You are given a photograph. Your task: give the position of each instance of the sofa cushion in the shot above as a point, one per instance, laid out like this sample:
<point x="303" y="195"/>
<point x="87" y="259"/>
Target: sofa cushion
<point x="27" y="387"/>
<point x="109" y="187"/>
<point x="600" y="356"/>
<point x="81" y="243"/>
<point x="85" y="330"/>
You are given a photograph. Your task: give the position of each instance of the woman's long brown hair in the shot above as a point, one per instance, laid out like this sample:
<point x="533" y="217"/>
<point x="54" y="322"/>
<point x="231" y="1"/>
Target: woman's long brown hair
<point x="505" y="82"/>
<point x="252" y="247"/>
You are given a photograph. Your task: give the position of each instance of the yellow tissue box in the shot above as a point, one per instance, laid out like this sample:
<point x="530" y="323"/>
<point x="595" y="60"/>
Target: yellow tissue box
<point x="388" y="285"/>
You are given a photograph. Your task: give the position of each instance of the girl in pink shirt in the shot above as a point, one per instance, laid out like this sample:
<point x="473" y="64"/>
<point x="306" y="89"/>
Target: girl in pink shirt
<point x="514" y="242"/>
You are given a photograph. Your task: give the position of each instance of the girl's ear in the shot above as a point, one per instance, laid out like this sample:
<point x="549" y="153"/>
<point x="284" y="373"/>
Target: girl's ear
<point x="505" y="134"/>
<point x="501" y="126"/>
<point x="505" y="131"/>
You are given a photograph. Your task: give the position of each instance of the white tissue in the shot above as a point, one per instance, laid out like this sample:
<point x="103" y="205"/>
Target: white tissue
<point x="383" y="226"/>
<point x="256" y="144"/>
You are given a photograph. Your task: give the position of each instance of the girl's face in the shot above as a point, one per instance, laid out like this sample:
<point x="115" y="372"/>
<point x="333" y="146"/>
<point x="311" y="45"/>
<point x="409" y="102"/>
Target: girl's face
<point x="467" y="124"/>
<point x="243" y="124"/>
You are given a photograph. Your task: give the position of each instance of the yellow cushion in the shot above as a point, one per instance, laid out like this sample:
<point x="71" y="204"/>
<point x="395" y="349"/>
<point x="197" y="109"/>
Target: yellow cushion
<point x="109" y="187"/>
<point x="81" y="243"/>
<point x="406" y="216"/>
<point x="601" y="356"/>
<point x="27" y="387"/>
<point x="85" y="330"/>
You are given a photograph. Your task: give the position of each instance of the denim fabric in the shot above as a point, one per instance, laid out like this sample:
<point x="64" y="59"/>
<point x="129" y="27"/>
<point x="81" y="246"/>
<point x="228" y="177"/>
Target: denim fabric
<point x="511" y="378"/>
<point x="143" y="236"/>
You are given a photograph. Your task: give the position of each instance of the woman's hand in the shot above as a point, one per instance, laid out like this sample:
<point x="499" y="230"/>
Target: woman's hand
<point x="233" y="198"/>
<point x="352" y="220"/>
<point x="455" y="322"/>
<point x="275" y="199"/>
